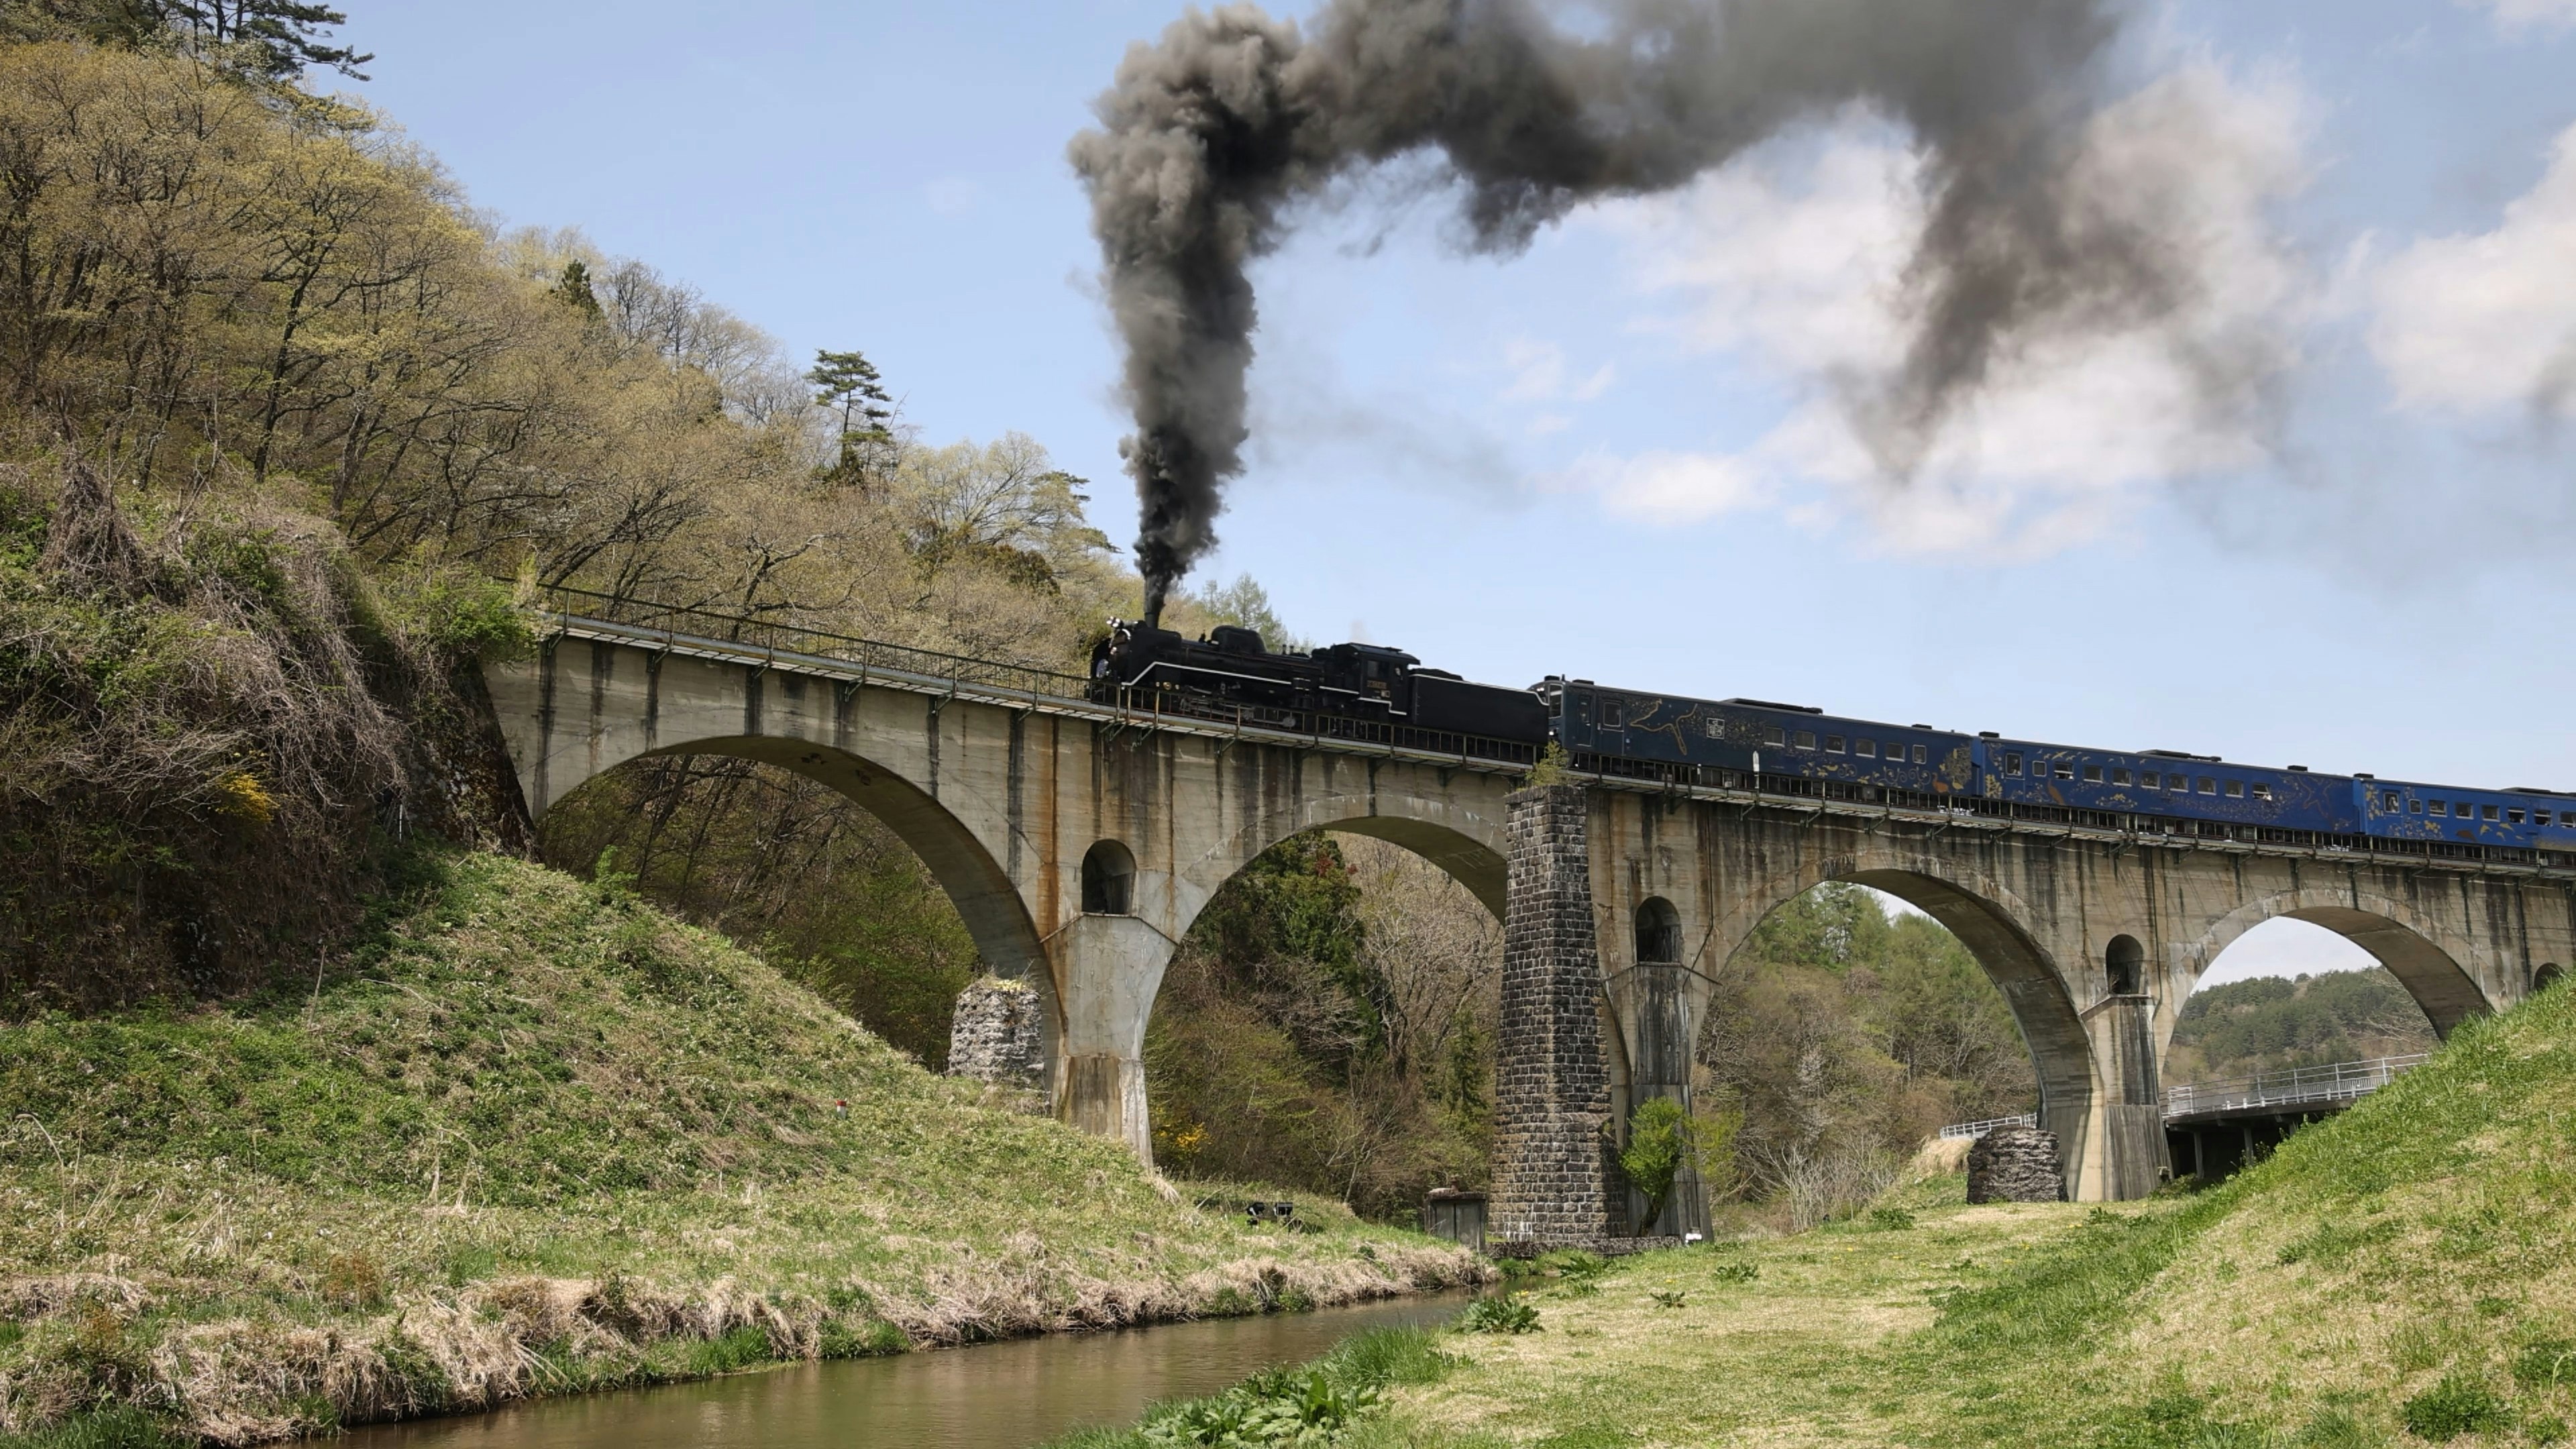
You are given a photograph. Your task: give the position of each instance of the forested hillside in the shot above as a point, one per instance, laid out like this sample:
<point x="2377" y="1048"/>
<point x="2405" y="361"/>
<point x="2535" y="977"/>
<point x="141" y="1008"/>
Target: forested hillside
<point x="2273" y="1023"/>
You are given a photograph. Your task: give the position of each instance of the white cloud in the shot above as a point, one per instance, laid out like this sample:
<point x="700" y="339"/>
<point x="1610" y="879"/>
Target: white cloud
<point x="2518" y="14"/>
<point x="1668" y="487"/>
<point x="2477" y="323"/>
<point x="1799" y="272"/>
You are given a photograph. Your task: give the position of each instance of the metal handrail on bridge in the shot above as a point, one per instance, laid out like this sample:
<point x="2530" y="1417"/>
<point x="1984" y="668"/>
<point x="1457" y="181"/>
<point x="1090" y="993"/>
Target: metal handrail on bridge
<point x="1980" y="1129"/>
<point x="2333" y="1082"/>
<point x="708" y="631"/>
<point x="696" y="629"/>
<point x="778" y="636"/>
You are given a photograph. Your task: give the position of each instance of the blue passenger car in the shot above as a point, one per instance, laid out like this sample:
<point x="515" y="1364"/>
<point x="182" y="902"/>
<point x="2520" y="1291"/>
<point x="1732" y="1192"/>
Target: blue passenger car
<point x="1765" y="745"/>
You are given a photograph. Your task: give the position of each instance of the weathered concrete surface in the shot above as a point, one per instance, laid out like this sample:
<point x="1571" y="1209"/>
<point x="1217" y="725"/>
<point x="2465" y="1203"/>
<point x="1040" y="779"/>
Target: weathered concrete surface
<point x="2043" y="909"/>
<point x="1002" y="803"/>
<point x="1002" y="799"/>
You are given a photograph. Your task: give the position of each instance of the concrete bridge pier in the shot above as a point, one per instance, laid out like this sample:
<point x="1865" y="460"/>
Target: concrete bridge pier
<point x="1111" y="966"/>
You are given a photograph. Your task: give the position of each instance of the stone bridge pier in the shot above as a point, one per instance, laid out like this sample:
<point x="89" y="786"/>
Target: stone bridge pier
<point x="1080" y="842"/>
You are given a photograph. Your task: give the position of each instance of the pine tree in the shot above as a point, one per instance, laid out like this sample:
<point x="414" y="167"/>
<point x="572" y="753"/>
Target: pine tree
<point x="574" y="288"/>
<point x="849" y="384"/>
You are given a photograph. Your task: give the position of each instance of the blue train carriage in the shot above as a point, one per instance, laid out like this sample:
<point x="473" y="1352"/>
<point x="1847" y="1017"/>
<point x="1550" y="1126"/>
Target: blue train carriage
<point x="1621" y="730"/>
<point x="2169" y="783"/>
<point x="2524" y="817"/>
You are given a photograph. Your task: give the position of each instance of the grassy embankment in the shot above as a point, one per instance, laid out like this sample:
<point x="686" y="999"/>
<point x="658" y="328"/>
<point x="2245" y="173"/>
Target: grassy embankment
<point x="2404" y="1273"/>
<point x="533" y="1136"/>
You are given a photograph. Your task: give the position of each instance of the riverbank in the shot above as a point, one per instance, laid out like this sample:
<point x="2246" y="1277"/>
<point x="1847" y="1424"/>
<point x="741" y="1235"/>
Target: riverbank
<point x="534" y="1137"/>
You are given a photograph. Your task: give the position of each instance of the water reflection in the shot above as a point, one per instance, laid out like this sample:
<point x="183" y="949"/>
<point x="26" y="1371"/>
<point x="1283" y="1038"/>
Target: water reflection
<point x="1000" y="1396"/>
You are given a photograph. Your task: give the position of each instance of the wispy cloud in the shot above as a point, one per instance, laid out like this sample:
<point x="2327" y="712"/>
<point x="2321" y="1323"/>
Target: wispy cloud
<point x="2529" y="14"/>
<point x="2487" y="321"/>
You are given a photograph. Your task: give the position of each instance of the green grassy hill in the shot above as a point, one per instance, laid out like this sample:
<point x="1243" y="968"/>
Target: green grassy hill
<point x="2403" y="1273"/>
<point x="532" y="1136"/>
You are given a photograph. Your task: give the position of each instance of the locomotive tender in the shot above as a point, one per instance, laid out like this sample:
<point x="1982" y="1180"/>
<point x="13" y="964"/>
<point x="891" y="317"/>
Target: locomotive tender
<point x="1366" y="691"/>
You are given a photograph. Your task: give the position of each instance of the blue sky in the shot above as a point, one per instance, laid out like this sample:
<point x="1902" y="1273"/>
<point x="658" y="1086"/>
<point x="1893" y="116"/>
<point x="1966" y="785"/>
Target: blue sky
<point x="1615" y="456"/>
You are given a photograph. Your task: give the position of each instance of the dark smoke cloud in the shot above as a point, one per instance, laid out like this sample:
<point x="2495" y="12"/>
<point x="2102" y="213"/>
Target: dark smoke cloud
<point x="1214" y="134"/>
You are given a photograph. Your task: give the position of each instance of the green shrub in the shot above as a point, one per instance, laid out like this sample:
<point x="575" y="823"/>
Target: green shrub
<point x="1498" y="1315"/>
<point x="864" y="1338"/>
<point x="1281" y="1406"/>
<point x="112" y="1429"/>
<point x="1384" y="1356"/>
<point x="2545" y="1362"/>
<point x="1735" y="1272"/>
<point x="1889" y="1220"/>
<point x="743" y="1348"/>
<point x="2340" y="1429"/>
<point x="2455" y="1406"/>
<point x="1662" y="1140"/>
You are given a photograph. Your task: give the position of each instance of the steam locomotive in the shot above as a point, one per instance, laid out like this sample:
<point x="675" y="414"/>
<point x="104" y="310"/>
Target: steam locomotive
<point x="1368" y="692"/>
<point x="1346" y="691"/>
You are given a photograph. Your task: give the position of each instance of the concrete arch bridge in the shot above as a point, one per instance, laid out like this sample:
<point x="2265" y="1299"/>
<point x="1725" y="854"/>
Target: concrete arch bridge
<point x="1080" y="841"/>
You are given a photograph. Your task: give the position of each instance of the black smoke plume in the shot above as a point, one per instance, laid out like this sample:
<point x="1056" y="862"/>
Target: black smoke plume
<point x="1213" y="135"/>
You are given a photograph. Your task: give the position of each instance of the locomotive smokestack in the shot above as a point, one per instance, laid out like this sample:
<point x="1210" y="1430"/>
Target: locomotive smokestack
<point x="1210" y="137"/>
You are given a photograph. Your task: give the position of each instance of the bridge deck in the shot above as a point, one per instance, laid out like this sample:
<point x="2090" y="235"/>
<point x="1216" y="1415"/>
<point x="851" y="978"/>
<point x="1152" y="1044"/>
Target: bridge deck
<point x="870" y="663"/>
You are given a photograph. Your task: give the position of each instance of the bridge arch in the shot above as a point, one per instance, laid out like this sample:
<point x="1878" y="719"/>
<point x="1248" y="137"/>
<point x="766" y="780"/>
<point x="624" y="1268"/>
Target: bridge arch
<point x="2423" y="954"/>
<point x="1985" y="914"/>
<point x="1456" y="839"/>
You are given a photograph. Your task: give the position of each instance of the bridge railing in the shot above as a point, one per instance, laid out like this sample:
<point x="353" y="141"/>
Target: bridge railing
<point x="686" y="623"/>
<point x="2337" y="1081"/>
<point x="1980" y="1129"/>
<point x="686" y="626"/>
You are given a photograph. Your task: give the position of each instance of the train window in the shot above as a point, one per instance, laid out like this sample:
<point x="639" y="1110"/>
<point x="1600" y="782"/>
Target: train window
<point x="2151" y="781"/>
<point x="2235" y="789"/>
<point x="2092" y="774"/>
<point x="2262" y="791"/>
<point x="2012" y="764"/>
<point x="1895" y="751"/>
<point x="2441" y="807"/>
<point x="1920" y="755"/>
<point x="1774" y="735"/>
<point x="2119" y="777"/>
<point x="1806" y="739"/>
<point x="2513" y="817"/>
<point x="1713" y="727"/>
<point x="2065" y="770"/>
<point x="2539" y="817"/>
<point x="2208" y="786"/>
<point x="2414" y="807"/>
<point x="2486" y="812"/>
<point x="1613" y="716"/>
<point x="1866" y="749"/>
<point x="2388" y="800"/>
<point x="1833" y="744"/>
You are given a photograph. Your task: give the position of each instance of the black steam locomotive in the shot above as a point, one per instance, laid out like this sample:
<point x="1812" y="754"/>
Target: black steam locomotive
<point x="1345" y="691"/>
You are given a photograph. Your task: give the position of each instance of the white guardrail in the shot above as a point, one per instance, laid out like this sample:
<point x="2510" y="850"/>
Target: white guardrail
<point x="1980" y="1129"/>
<point x="2336" y="1082"/>
<point x="2340" y="1081"/>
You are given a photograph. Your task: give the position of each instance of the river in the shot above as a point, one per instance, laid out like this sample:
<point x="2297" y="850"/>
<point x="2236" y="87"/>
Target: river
<point x="995" y="1396"/>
